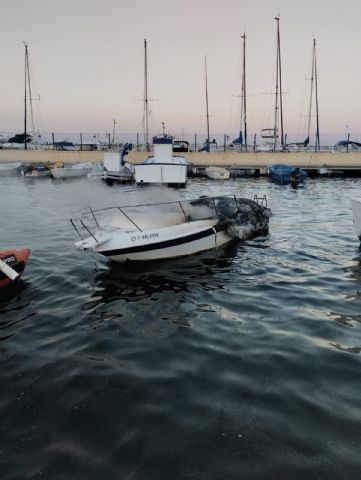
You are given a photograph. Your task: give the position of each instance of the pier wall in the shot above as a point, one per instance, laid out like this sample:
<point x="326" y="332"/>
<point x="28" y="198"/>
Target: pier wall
<point x="225" y="159"/>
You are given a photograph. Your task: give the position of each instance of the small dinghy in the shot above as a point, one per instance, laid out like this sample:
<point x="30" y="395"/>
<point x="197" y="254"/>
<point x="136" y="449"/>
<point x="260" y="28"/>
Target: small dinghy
<point x="285" y="174"/>
<point x="171" y="229"/>
<point x="10" y="169"/>
<point x="12" y="265"/>
<point x="71" y="171"/>
<point x="217" y="173"/>
<point x="35" y="171"/>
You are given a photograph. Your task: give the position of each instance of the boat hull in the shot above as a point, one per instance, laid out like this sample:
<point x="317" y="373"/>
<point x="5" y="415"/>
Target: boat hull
<point x="161" y="173"/>
<point x="16" y="259"/>
<point x="70" y="172"/>
<point x="217" y="173"/>
<point x="160" y="243"/>
<point x="10" y="169"/>
<point x="282" y="173"/>
<point x="171" y="249"/>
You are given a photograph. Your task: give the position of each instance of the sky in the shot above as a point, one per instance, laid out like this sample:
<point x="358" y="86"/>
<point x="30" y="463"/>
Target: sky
<point x="87" y="64"/>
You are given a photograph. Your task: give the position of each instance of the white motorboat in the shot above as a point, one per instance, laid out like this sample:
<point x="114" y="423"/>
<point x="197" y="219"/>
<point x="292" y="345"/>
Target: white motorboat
<point x="115" y="168"/>
<point x="35" y="171"/>
<point x="163" y="167"/>
<point x="217" y="173"/>
<point x="70" y="171"/>
<point x="10" y="169"/>
<point x="168" y="230"/>
<point x="356" y="211"/>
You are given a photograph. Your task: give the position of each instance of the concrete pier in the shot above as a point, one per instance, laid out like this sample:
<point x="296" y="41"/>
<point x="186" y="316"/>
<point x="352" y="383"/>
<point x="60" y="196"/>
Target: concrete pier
<point x="249" y="160"/>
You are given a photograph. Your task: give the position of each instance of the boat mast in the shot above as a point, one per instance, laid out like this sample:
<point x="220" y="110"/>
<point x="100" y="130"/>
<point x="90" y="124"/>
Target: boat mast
<point x="205" y="67"/>
<point x="278" y="89"/>
<point x="317" y="145"/>
<point x="146" y="114"/>
<point x="25" y="99"/>
<point x="243" y="101"/>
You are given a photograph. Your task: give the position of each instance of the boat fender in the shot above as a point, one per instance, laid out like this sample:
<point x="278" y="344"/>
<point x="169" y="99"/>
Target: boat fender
<point x="8" y="271"/>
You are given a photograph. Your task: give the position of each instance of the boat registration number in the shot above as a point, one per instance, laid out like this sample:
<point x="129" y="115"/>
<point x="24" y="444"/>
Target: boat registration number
<point x="145" y="236"/>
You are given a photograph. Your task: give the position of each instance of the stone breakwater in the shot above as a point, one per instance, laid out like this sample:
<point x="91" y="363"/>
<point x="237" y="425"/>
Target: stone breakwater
<point x="307" y="160"/>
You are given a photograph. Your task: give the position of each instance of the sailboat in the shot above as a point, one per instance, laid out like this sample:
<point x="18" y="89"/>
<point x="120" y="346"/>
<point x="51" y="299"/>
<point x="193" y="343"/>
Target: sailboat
<point x="25" y="137"/>
<point x="242" y="139"/>
<point x="272" y="139"/>
<point x="313" y="96"/>
<point x="208" y="144"/>
<point x="162" y="167"/>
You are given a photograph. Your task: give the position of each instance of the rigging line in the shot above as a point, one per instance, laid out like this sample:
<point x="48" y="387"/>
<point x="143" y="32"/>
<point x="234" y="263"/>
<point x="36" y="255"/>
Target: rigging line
<point x="30" y="96"/>
<point x="243" y="103"/>
<point x="25" y="100"/>
<point x="311" y="91"/>
<point x="275" y="129"/>
<point x="205" y="66"/>
<point x="316" y="95"/>
<point x="146" y="136"/>
<point x="280" y="81"/>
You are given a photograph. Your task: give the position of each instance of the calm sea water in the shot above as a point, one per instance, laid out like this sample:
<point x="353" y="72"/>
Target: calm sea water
<point x="241" y="364"/>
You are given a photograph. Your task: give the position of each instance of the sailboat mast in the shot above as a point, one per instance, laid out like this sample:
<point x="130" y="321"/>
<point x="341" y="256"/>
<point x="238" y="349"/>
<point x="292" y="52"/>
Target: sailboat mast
<point x="317" y="145"/>
<point x="311" y="91"/>
<point x="243" y="102"/>
<point x="146" y="115"/>
<point x="25" y="99"/>
<point x="30" y="98"/>
<point x="280" y="79"/>
<point x="275" y="129"/>
<point x="207" y="112"/>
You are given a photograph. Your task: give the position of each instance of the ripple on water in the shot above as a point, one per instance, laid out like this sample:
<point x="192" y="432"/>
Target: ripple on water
<point x="243" y="360"/>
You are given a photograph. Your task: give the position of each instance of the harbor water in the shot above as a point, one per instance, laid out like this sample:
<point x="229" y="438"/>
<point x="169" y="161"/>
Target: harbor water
<point x="235" y="364"/>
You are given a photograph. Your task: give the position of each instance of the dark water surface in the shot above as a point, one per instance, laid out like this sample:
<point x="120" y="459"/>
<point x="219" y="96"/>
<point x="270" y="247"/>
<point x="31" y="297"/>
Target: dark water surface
<point x="241" y="364"/>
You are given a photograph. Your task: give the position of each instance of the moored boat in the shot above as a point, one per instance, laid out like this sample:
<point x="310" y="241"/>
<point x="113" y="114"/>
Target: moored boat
<point x="12" y="265"/>
<point x="31" y="171"/>
<point x="163" y="167"/>
<point x="217" y="173"/>
<point x="171" y="229"/>
<point x="10" y="169"/>
<point x="70" y="171"/>
<point x="116" y="169"/>
<point x="284" y="174"/>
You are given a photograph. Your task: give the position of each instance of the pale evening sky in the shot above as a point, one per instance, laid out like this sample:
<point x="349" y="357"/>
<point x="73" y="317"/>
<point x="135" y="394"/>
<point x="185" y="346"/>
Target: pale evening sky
<point x="86" y="58"/>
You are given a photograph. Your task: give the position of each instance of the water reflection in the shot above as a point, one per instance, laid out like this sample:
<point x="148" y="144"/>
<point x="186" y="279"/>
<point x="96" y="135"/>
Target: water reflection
<point x="155" y="298"/>
<point x="356" y="270"/>
<point x="13" y="309"/>
<point x="132" y="281"/>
